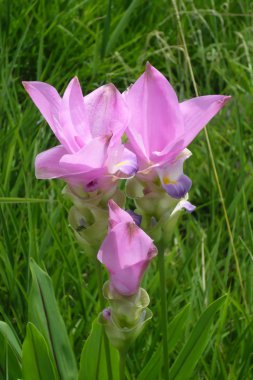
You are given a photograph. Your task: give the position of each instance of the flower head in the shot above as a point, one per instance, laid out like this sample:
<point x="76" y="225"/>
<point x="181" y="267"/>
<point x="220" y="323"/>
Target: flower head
<point x="89" y="130"/>
<point x="126" y="251"/>
<point x="160" y="127"/>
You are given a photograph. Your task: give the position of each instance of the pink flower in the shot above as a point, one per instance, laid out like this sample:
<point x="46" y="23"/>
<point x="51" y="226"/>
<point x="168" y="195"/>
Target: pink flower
<point x="89" y="130"/>
<point x="160" y="127"/>
<point x="126" y="251"/>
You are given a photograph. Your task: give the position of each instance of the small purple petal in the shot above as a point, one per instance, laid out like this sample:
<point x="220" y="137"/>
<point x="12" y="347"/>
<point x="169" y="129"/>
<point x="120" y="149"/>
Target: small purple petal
<point x="107" y="314"/>
<point x="121" y="161"/>
<point x="136" y="217"/>
<point x="188" y="206"/>
<point x="180" y="188"/>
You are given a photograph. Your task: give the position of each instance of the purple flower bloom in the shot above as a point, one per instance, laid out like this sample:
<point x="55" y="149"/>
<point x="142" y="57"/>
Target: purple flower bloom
<point x="89" y="130"/>
<point x="126" y="251"/>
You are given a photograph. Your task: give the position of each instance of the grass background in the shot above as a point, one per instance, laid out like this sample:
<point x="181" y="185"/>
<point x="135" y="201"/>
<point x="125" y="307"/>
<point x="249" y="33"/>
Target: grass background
<point x="54" y="40"/>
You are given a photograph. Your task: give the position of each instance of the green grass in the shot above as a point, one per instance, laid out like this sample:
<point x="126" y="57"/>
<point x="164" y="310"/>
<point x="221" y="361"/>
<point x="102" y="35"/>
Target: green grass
<point x="53" y="41"/>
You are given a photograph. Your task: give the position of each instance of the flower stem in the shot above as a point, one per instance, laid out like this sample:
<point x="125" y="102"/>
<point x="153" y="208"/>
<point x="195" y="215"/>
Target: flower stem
<point x="102" y="305"/>
<point x="122" y="364"/>
<point x="164" y="317"/>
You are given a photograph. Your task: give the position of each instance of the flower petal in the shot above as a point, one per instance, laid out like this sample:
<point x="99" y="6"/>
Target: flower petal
<point x="73" y="116"/>
<point x="180" y="188"/>
<point x="121" y="160"/>
<point x="117" y="215"/>
<point x="154" y="111"/>
<point x="127" y="280"/>
<point x="198" y="111"/>
<point x="92" y="156"/>
<point x="48" y="101"/>
<point x="47" y="163"/>
<point x="172" y="171"/>
<point x="107" y="111"/>
<point x="169" y="153"/>
<point x="136" y="145"/>
<point x="172" y="177"/>
<point x="126" y="262"/>
<point x="183" y="204"/>
<point x="137" y="246"/>
<point x="136" y="217"/>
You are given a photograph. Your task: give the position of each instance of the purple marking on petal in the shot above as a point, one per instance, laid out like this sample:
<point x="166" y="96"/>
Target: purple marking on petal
<point x="188" y="207"/>
<point x="107" y="314"/>
<point x="136" y="217"/>
<point x="180" y="188"/>
<point x="91" y="186"/>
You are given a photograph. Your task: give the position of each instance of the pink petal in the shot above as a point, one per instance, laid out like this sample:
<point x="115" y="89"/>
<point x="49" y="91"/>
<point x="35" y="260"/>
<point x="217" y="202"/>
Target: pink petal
<point x="47" y="163"/>
<point x="117" y="215"/>
<point x="90" y="179"/>
<point x="137" y="245"/>
<point x="92" y="156"/>
<point x="106" y="111"/>
<point x="154" y="111"/>
<point x="48" y="101"/>
<point x="169" y="153"/>
<point x="73" y="116"/>
<point x="127" y="280"/>
<point x="198" y="111"/>
<point x="126" y="262"/>
<point x="136" y="145"/>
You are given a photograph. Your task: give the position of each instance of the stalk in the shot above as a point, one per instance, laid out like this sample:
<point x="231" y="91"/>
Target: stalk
<point x="122" y="364"/>
<point x="164" y="317"/>
<point x="102" y="305"/>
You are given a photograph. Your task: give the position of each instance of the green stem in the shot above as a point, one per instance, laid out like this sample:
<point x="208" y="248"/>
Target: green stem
<point x="164" y="316"/>
<point x="102" y="305"/>
<point x="122" y="364"/>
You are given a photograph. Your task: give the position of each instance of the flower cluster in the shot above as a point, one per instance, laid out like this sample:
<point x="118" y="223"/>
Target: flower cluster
<point x="92" y="159"/>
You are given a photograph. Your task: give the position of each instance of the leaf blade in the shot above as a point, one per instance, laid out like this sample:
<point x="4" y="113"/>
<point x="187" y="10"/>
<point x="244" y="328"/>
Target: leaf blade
<point x="175" y="330"/>
<point x="93" y="360"/>
<point x="45" y="315"/>
<point x="36" y="356"/>
<point x="188" y="357"/>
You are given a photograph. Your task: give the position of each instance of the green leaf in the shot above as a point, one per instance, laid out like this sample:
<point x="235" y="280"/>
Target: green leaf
<point x="190" y="354"/>
<point x="12" y="340"/>
<point x="44" y="313"/>
<point x="93" y="360"/>
<point x="154" y="365"/>
<point x="121" y="26"/>
<point x="10" y="354"/>
<point x="21" y="200"/>
<point x="175" y="330"/>
<point x="37" y="359"/>
<point x="106" y="28"/>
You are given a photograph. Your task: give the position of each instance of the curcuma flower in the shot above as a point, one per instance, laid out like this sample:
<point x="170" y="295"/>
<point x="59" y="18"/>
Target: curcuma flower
<point x="89" y="130"/>
<point x="126" y="251"/>
<point x="160" y="128"/>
